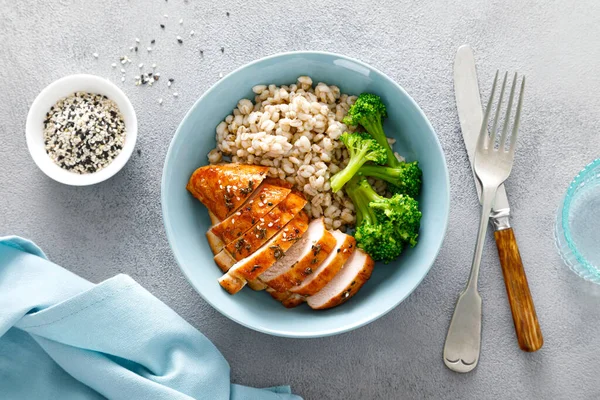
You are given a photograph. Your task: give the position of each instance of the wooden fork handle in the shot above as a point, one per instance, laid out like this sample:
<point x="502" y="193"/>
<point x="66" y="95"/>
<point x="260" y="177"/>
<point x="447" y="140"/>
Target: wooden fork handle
<point x="527" y="327"/>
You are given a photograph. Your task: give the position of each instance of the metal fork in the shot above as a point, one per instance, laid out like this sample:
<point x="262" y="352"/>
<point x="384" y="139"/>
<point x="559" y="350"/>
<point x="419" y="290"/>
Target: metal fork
<point x="492" y="166"/>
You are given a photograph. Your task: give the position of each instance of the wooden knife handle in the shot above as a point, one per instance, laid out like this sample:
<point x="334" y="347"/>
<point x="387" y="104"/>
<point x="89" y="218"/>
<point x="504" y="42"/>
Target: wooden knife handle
<point x="527" y="327"/>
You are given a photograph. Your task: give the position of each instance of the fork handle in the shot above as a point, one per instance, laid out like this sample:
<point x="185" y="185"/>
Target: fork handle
<point x="527" y="327"/>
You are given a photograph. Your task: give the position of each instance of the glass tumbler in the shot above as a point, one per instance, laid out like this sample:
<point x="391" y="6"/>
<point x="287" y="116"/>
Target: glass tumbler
<point x="577" y="229"/>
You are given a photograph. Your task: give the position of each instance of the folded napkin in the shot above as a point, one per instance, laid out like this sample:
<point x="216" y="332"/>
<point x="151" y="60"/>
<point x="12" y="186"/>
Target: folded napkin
<point x="62" y="337"/>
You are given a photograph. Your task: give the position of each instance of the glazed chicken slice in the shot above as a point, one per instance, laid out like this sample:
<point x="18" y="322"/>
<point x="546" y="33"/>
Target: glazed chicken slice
<point x="261" y="232"/>
<point x="268" y="195"/>
<point x="344" y="247"/>
<point x="302" y="259"/>
<point x="261" y="260"/>
<point x="355" y="273"/>
<point x="224" y="188"/>
<point x="321" y="276"/>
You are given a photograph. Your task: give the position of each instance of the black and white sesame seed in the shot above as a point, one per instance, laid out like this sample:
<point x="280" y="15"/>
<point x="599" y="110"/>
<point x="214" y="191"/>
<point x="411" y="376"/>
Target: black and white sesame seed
<point x="84" y="132"/>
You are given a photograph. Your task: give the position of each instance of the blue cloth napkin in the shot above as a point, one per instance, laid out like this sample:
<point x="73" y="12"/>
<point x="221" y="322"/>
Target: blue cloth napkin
<point x="62" y="337"/>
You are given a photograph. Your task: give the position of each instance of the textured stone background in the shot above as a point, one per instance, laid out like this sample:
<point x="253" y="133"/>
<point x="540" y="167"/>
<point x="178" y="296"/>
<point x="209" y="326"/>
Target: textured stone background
<point x="116" y="226"/>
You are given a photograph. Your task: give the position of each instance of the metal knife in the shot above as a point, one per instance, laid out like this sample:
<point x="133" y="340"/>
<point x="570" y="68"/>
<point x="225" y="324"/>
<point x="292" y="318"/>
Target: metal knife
<point x="468" y="103"/>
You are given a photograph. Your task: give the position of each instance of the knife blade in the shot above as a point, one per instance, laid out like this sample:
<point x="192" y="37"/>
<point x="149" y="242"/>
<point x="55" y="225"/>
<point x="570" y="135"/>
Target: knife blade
<point x="470" y="112"/>
<point x="468" y="103"/>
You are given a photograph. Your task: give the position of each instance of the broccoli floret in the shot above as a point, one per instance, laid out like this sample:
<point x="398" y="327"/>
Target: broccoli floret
<point x="369" y="111"/>
<point x="361" y="148"/>
<point x="403" y="213"/>
<point x="383" y="225"/>
<point x="402" y="179"/>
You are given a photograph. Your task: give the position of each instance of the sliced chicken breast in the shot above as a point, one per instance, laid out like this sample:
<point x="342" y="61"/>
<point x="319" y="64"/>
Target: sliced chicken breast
<point x="288" y="299"/>
<point x="321" y="276"/>
<point x="224" y="188"/>
<point x="355" y="273"/>
<point x="302" y="259"/>
<point x="261" y="232"/>
<point x="269" y="194"/>
<point x="213" y="218"/>
<point x="251" y="267"/>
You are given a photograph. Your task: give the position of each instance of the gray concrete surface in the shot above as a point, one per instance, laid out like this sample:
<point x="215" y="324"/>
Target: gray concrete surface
<point x="116" y="226"/>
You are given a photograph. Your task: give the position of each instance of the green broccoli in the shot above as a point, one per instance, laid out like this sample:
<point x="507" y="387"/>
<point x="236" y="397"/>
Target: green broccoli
<point x="362" y="148"/>
<point x="383" y="225"/>
<point x="369" y="111"/>
<point x="402" y="179"/>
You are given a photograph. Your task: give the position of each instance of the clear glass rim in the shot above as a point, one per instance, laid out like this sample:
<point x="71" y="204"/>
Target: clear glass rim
<point x="573" y="187"/>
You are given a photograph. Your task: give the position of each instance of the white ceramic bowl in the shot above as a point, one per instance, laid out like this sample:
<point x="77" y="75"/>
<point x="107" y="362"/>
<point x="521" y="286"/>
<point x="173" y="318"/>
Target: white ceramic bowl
<point x="62" y="88"/>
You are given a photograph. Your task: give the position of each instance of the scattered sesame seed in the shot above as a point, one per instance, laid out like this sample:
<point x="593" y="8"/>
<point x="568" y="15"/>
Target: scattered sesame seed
<point x="95" y="55"/>
<point x="149" y="49"/>
<point x="153" y="41"/>
<point x="122" y="70"/>
<point x="135" y="48"/>
<point x="166" y="16"/>
<point x="122" y="79"/>
<point x="162" y="26"/>
<point x="175" y="94"/>
<point x="270" y="224"/>
<point x="192" y="33"/>
<point x="220" y="75"/>
<point x="153" y="65"/>
<point x="202" y="53"/>
<point x="137" y="40"/>
<point x="137" y="77"/>
<point x="141" y="65"/>
<point x="139" y="152"/>
<point x="179" y="39"/>
<point x="227" y="13"/>
<point x="114" y="65"/>
<point x="131" y="48"/>
<point x="222" y="49"/>
<point x="171" y="80"/>
<point x="169" y="84"/>
<point x="160" y="101"/>
<point x="181" y="21"/>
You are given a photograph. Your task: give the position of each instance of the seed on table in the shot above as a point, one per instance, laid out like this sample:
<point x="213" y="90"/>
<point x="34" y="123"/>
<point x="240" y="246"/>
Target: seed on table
<point x="122" y="70"/>
<point x="149" y="49"/>
<point x="192" y="33"/>
<point x="220" y="75"/>
<point x="95" y="55"/>
<point x="141" y="65"/>
<point x="162" y="26"/>
<point x="160" y="101"/>
<point x="227" y="13"/>
<point x="166" y="16"/>
<point x="222" y="49"/>
<point x="131" y="48"/>
<point x="153" y="41"/>
<point x="114" y="65"/>
<point x="175" y="94"/>
<point x="137" y="40"/>
<point x="181" y="21"/>
<point x="135" y="48"/>
<point x="179" y="39"/>
<point x="122" y="79"/>
<point x="153" y="65"/>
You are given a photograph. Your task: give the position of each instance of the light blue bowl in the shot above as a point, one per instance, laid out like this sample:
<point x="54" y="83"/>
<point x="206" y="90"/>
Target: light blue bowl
<point x="186" y="220"/>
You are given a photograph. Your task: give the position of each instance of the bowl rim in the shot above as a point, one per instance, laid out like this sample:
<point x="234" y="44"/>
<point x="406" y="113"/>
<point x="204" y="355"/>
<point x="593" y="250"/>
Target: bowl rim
<point x="131" y="124"/>
<point x="316" y="333"/>
<point x="592" y="272"/>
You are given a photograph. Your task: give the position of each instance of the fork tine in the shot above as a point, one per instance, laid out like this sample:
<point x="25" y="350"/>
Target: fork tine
<point x="513" y="138"/>
<point x="508" y="111"/>
<point x="498" y="109"/>
<point x="481" y="142"/>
